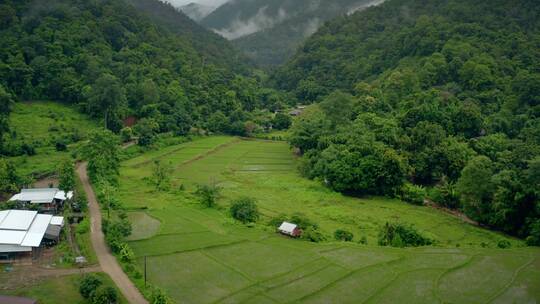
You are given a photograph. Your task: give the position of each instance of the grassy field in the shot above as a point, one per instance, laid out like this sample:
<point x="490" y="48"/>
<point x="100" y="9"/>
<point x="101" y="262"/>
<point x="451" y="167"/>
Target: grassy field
<point x="200" y="255"/>
<point x="41" y="124"/>
<point x="54" y="290"/>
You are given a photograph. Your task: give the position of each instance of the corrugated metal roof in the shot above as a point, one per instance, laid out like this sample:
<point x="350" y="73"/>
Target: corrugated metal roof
<point x="37" y="230"/>
<point x="57" y="220"/>
<point x="36" y="196"/>
<point x="287" y="227"/>
<point x="13" y="237"/>
<point x="14" y="248"/>
<point x="3" y="214"/>
<point x="61" y="195"/>
<point x="18" y="220"/>
<point x="23" y="228"/>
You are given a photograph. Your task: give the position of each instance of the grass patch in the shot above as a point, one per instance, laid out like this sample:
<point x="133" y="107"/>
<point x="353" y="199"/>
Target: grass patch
<point x="63" y="289"/>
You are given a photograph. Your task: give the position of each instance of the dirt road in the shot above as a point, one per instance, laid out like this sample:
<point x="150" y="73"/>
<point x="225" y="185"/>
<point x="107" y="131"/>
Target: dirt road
<point x="106" y="260"/>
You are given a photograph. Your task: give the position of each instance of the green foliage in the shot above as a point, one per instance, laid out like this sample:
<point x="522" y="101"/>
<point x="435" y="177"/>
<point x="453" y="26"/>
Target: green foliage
<point x="343" y="235"/>
<point x="10" y="180"/>
<point x="413" y="194"/>
<point x="312" y="234"/>
<point x="146" y="129"/>
<point x="208" y="194"/>
<point x="126" y="134"/>
<point x="400" y="235"/>
<point x="161" y="175"/>
<point x="281" y="121"/>
<point x="66" y="176"/>
<point x="126" y="254"/>
<point x="245" y="210"/>
<point x="102" y="154"/>
<point x="6" y="102"/>
<point x="88" y="285"/>
<point x="503" y="244"/>
<point x="159" y="297"/>
<point x="398" y="101"/>
<point x="105" y="295"/>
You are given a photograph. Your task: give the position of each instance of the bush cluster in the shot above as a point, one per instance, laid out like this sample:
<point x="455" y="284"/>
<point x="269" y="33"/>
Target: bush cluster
<point x="245" y="210"/>
<point x="400" y="235"/>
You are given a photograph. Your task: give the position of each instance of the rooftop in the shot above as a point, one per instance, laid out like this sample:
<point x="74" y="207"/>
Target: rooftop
<point x="22" y="229"/>
<point x="41" y="195"/>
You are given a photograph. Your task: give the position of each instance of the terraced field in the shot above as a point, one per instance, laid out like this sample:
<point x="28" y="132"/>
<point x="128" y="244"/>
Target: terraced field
<point x="200" y="255"/>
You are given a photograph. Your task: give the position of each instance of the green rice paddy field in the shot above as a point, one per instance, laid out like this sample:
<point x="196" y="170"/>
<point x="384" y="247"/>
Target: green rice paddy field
<point x="200" y="255"/>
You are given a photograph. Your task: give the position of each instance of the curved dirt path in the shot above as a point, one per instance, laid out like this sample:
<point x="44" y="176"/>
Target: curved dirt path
<point x="106" y="260"/>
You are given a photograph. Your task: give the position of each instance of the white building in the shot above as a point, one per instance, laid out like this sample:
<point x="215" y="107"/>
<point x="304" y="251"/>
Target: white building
<point x="289" y="229"/>
<point x="48" y="199"/>
<point x="22" y="231"/>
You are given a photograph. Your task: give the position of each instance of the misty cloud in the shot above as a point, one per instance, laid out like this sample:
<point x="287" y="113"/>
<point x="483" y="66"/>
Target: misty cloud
<point x="179" y="3"/>
<point x="365" y="5"/>
<point x="260" y="21"/>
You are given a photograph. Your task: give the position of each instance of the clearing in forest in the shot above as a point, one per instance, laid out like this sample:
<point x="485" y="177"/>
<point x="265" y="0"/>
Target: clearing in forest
<point x="201" y="255"/>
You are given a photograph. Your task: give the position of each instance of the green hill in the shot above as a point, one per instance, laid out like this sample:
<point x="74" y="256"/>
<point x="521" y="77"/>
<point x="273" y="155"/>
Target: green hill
<point x="114" y="58"/>
<point x="427" y="96"/>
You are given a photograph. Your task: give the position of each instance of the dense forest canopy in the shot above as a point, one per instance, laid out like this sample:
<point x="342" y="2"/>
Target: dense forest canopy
<point x="436" y="95"/>
<point x="114" y="59"/>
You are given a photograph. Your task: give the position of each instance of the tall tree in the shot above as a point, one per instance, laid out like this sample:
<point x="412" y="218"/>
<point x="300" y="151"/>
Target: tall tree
<point x="66" y="175"/>
<point x="6" y="101"/>
<point x="108" y="97"/>
<point x="102" y="153"/>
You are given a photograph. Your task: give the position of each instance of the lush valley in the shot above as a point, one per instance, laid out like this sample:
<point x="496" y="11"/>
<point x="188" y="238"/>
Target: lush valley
<point x="402" y="139"/>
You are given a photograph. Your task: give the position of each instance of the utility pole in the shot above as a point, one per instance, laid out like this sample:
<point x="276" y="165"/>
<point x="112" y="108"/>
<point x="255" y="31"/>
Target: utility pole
<point x="144" y="271"/>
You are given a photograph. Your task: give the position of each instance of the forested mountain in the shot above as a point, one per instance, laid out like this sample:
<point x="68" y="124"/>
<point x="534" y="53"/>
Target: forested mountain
<point x="113" y="60"/>
<point x="437" y="96"/>
<point x="196" y="11"/>
<point x="269" y="31"/>
<point x="210" y="47"/>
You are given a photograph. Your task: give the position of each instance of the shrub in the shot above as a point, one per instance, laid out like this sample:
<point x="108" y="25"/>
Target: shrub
<point x="445" y="194"/>
<point x="126" y="134"/>
<point x="105" y="295"/>
<point x="533" y="239"/>
<point x="413" y="194"/>
<point x="343" y="235"/>
<point x="504" y="244"/>
<point x="313" y="234"/>
<point x="126" y="254"/>
<point x="208" y="194"/>
<point x="60" y="145"/>
<point x="83" y="227"/>
<point x="303" y="222"/>
<point x="89" y="284"/>
<point x="159" y="297"/>
<point x="399" y="235"/>
<point x="245" y="210"/>
<point x="277" y="220"/>
<point x="28" y="149"/>
<point x="363" y="240"/>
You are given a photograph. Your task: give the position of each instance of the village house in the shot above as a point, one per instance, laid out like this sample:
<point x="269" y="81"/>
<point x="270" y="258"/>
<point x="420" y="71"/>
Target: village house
<point x="290" y="229"/>
<point x="23" y="233"/>
<point x="47" y="200"/>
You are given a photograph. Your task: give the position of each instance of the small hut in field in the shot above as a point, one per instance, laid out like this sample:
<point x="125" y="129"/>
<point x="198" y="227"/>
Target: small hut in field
<point x="290" y="229"/>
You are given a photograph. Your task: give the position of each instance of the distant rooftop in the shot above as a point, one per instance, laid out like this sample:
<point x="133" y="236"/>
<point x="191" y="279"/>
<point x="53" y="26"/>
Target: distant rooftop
<point x="41" y="195"/>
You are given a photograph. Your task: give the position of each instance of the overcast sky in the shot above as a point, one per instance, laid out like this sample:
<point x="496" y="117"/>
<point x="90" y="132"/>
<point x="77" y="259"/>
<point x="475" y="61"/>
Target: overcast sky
<point x="206" y="2"/>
